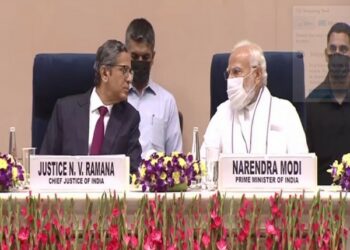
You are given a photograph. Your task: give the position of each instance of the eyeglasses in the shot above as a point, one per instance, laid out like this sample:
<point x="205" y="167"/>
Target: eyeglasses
<point x="126" y="70"/>
<point x="236" y="72"/>
<point x="343" y="49"/>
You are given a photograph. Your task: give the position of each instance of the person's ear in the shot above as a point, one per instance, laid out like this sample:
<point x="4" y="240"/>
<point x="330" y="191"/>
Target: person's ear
<point x="153" y="56"/>
<point x="326" y="55"/>
<point x="258" y="77"/>
<point x="104" y="73"/>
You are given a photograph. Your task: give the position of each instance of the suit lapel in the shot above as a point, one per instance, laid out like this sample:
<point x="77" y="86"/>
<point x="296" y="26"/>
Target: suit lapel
<point x="112" y="130"/>
<point x="82" y="131"/>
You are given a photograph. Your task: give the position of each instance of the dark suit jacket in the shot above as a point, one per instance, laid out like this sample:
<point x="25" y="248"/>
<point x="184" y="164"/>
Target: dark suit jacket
<point x="68" y="130"/>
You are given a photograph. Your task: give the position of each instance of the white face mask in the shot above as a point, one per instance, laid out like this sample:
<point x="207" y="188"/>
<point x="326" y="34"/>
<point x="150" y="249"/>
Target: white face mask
<point x="239" y="98"/>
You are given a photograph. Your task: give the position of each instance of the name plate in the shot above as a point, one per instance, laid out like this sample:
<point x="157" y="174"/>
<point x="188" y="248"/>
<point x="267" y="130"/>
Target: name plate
<point x="79" y="173"/>
<point x="273" y="172"/>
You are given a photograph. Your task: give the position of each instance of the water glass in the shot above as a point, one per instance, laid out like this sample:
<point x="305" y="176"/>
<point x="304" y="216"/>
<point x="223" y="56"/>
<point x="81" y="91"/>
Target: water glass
<point x="212" y="163"/>
<point x="26" y="153"/>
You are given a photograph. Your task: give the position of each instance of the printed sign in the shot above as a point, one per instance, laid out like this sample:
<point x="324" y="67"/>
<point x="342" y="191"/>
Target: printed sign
<point x="292" y="172"/>
<point x="79" y="173"/>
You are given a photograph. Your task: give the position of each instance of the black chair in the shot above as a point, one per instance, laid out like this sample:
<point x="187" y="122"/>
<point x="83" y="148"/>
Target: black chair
<point x="285" y="79"/>
<point x="56" y="76"/>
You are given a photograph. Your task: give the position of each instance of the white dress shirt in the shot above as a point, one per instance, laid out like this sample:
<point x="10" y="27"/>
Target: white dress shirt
<point x="159" y="125"/>
<point x="95" y="103"/>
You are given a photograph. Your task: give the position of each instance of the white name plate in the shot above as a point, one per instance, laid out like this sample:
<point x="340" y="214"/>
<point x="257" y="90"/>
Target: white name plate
<point x="79" y="173"/>
<point x="272" y="172"/>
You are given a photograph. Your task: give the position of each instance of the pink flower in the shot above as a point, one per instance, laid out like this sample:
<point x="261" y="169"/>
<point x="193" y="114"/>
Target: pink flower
<point x="216" y="223"/>
<point x="23" y="234"/>
<point x="315" y="227"/>
<point x="42" y="237"/>
<point x="269" y="243"/>
<point x="134" y="241"/>
<point x="115" y="212"/>
<point x="156" y="236"/>
<point x="221" y="244"/>
<point x="23" y="211"/>
<point x="172" y="247"/>
<point x="205" y="240"/>
<point x="113" y="231"/>
<point x="270" y="228"/>
<point x="196" y="245"/>
<point x="242" y="236"/>
<point x="297" y="243"/>
<point x="4" y="246"/>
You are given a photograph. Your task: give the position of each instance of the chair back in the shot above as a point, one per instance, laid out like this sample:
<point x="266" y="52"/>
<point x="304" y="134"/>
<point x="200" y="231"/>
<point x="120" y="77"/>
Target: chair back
<point x="56" y="76"/>
<point x="285" y="79"/>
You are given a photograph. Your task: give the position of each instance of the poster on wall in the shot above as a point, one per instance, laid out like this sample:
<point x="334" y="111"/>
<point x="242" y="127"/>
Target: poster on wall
<point x="310" y="27"/>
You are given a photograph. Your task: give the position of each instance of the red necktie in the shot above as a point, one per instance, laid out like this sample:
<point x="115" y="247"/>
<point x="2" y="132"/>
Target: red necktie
<point x="99" y="133"/>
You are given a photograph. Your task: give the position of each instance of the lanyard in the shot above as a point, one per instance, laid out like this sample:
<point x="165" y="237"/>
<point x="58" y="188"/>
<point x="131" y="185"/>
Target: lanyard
<point x="248" y="150"/>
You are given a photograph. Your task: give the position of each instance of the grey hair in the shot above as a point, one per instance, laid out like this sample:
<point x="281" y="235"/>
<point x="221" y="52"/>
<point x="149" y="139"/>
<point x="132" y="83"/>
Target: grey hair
<point x="106" y="55"/>
<point x="257" y="57"/>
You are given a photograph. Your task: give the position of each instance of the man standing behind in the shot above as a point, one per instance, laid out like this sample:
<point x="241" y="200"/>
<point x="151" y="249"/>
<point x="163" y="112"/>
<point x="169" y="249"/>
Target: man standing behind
<point x="159" y="126"/>
<point x="328" y="107"/>
<point x="77" y="124"/>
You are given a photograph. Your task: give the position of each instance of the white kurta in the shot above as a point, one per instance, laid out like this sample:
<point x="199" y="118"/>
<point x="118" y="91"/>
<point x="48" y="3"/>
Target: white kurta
<point x="269" y="126"/>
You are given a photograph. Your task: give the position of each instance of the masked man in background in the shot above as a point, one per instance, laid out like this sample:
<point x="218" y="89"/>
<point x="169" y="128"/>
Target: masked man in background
<point x="252" y="121"/>
<point x="328" y="107"/>
<point x="159" y="126"/>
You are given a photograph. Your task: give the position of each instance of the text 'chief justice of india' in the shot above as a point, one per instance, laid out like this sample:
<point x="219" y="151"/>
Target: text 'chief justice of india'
<point x="77" y="125"/>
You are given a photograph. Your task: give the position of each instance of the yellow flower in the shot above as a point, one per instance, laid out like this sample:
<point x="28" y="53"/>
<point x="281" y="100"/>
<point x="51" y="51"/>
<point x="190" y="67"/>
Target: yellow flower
<point x="133" y="179"/>
<point x="175" y="153"/>
<point x="161" y="154"/>
<point x="142" y="171"/>
<point x="14" y="173"/>
<point x="167" y="159"/>
<point x="163" y="176"/>
<point x="182" y="162"/>
<point x="196" y="167"/>
<point x="154" y="162"/>
<point x="3" y="164"/>
<point x="176" y="177"/>
<point x="346" y="159"/>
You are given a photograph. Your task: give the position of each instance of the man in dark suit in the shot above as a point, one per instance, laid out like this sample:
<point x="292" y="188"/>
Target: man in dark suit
<point x="77" y="122"/>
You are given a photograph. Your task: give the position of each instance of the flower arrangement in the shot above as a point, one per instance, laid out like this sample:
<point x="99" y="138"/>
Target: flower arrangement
<point x="341" y="172"/>
<point x="173" y="223"/>
<point x="159" y="172"/>
<point x="11" y="172"/>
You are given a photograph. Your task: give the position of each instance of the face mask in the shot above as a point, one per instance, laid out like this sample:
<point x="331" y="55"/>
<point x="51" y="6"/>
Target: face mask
<point x="141" y="71"/>
<point x="339" y="67"/>
<point x="237" y="95"/>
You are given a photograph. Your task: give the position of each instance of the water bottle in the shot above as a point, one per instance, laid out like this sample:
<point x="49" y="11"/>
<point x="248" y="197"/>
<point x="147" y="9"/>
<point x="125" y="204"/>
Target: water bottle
<point x="196" y="154"/>
<point x="12" y="142"/>
<point x="195" y="144"/>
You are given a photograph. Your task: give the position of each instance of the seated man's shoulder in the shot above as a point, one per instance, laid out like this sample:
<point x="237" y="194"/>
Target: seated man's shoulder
<point x="163" y="93"/>
<point x="321" y="92"/>
<point x="223" y="109"/>
<point x="72" y="99"/>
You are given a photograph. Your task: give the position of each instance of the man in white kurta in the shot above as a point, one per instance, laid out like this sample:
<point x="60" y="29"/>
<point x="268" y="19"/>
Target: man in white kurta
<point x="252" y="121"/>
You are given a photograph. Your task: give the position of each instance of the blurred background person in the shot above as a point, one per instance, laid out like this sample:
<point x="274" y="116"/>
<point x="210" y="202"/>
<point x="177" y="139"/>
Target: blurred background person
<point x="328" y="107"/>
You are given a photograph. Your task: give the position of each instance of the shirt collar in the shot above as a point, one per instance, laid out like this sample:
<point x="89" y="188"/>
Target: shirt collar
<point x="96" y="102"/>
<point x="150" y="88"/>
